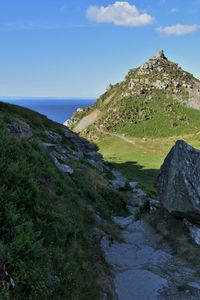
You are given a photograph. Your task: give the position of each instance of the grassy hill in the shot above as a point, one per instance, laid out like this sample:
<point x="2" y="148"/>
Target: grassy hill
<point x="138" y="120"/>
<point x="158" y="99"/>
<point x="49" y="241"/>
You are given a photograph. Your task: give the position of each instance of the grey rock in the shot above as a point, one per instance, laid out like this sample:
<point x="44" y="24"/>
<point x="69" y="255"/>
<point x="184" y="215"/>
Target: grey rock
<point x="53" y="137"/>
<point x="94" y="155"/>
<point x="139" y="285"/>
<point x="21" y="128"/>
<point x="137" y="198"/>
<point x="62" y="150"/>
<point x="160" y="85"/>
<point x="194" y="232"/>
<point x="48" y="145"/>
<point x="61" y="157"/>
<point x="154" y="203"/>
<point x="65" y="168"/>
<point x="133" y="184"/>
<point x="139" y="192"/>
<point x="194" y="95"/>
<point x="79" y="153"/>
<point x="178" y="182"/>
<point x="62" y="167"/>
<point x="119" y="182"/>
<point x="195" y="285"/>
<point x="132" y="209"/>
<point x="123" y="221"/>
<point x="68" y="134"/>
<point x="97" y="164"/>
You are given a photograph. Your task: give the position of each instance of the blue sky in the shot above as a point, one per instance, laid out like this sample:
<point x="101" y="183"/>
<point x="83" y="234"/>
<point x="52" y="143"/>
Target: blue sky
<point x="75" y="48"/>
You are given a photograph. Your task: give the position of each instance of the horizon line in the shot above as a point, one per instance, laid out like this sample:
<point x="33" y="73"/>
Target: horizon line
<point x="46" y="97"/>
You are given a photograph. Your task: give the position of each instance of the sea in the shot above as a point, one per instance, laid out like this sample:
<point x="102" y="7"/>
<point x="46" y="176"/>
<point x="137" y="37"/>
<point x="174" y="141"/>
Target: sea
<point x="58" y="110"/>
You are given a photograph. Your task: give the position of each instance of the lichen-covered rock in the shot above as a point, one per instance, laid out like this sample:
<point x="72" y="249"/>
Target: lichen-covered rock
<point x="178" y="183"/>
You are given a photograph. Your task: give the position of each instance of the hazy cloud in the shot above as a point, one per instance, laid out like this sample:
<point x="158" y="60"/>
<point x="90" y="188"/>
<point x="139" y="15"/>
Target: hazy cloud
<point x="173" y="10"/>
<point x="120" y="13"/>
<point x="178" y="29"/>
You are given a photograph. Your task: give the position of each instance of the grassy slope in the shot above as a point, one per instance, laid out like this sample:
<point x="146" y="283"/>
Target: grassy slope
<point x="45" y="223"/>
<point x="141" y="160"/>
<point x="160" y="116"/>
<point x="159" y="119"/>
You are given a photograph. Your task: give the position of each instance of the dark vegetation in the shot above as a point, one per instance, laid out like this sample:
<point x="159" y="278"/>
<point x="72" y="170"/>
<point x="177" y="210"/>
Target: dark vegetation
<point x="46" y="226"/>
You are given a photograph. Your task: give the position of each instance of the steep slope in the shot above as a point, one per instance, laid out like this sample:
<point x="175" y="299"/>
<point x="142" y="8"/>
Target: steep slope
<point x="155" y="100"/>
<point x="54" y="189"/>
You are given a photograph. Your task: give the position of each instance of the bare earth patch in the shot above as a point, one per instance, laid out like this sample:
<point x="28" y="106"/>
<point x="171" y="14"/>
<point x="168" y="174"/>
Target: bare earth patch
<point x="86" y="121"/>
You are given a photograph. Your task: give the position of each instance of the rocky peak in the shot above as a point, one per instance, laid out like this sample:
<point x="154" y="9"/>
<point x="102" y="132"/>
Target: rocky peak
<point x="160" y="55"/>
<point x="158" y="73"/>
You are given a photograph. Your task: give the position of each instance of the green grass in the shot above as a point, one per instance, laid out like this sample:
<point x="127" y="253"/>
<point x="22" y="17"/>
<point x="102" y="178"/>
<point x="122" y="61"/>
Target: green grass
<point x="159" y="117"/>
<point x="46" y="226"/>
<point x="141" y="160"/>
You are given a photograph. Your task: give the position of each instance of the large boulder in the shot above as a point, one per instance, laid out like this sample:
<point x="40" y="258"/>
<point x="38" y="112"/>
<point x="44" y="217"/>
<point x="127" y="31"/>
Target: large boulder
<point x="178" y="182"/>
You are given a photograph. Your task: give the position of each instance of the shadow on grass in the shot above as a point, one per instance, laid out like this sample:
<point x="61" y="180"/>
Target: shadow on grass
<point x="135" y="172"/>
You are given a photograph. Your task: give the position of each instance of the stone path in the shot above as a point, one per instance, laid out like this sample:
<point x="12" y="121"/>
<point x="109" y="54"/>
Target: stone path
<point x="132" y="259"/>
<point x="143" y="269"/>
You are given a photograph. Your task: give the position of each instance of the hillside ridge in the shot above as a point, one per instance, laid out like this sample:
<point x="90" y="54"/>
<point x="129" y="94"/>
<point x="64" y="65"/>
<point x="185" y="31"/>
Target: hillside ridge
<point x="57" y="198"/>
